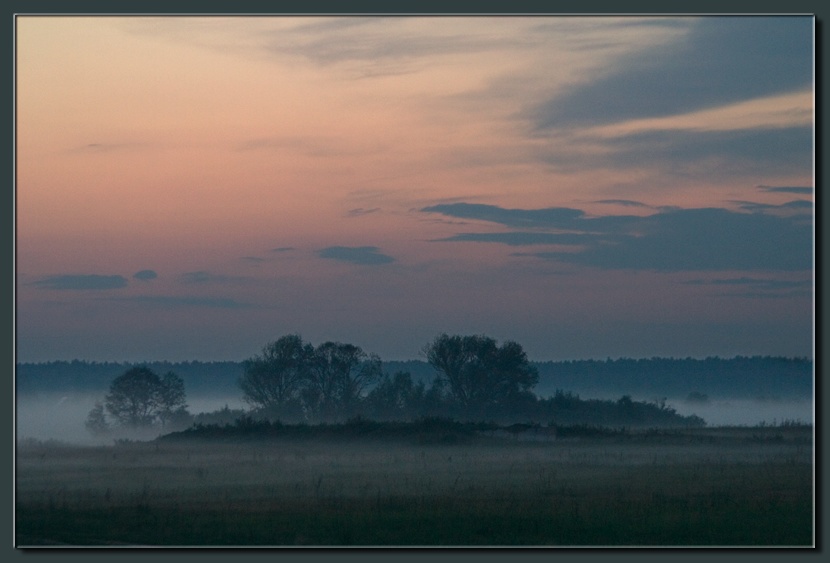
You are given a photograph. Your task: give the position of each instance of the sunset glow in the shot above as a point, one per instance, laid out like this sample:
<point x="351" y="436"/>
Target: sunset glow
<point x="591" y="187"/>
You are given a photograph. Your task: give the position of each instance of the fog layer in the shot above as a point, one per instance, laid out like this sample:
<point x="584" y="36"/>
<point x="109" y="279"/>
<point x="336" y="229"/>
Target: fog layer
<point x="61" y="416"/>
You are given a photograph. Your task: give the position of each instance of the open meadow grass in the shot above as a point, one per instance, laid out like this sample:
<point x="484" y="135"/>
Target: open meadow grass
<point x="700" y="487"/>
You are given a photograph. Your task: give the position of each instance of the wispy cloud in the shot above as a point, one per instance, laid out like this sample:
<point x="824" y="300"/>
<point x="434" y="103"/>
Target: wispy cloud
<point x="758" y="288"/>
<point x="547" y="217"/>
<point x="321" y="147"/>
<point x="798" y="205"/>
<point x="775" y="150"/>
<point x="364" y="255"/>
<point x="283" y="249"/>
<point x="145" y="275"/>
<point x="804" y="190"/>
<point x="382" y="46"/>
<point x="517" y="238"/>
<point x="81" y="282"/>
<point x="670" y="240"/>
<point x="623" y="202"/>
<point x="759" y="283"/>
<point x="168" y="301"/>
<point x="360" y="211"/>
<point x="203" y="277"/>
<point x="721" y="60"/>
<point x="93" y="148"/>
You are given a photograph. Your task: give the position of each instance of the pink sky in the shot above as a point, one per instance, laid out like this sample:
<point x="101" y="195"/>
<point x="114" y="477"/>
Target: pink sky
<point x="380" y="180"/>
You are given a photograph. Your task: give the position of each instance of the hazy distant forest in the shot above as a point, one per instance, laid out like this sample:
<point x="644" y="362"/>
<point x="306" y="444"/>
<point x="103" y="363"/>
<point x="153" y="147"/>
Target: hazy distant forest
<point x="464" y="378"/>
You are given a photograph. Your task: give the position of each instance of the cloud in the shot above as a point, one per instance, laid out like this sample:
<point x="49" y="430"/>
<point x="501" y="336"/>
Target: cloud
<point x="110" y="147"/>
<point x="520" y="238"/>
<point x="145" y="275"/>
<point x="623" y="202"/>
<point x="758" y="283"/>
<point x="283" y="249"/>
<point x="383" y="46"/>
<point x="702" y="239"/>
<point x="794" y="205"/>
<point x="670" y="240"/>
<point x="197" y="277"/>
<point x="365" y="255"/>
<point x="203" y="277"/>
<point x="754" y="288"/>
<point x="804" y="190"/>
<point x="361" y="211"/>
<point x="323" y="147"/>
<point x="721" y="60"/>
<point x="81" y="282"/>
<point x="176" y="301"/>
<point x="547" y="217"/>
<point x="559" y="218"/>
<point x="778" y="150"/>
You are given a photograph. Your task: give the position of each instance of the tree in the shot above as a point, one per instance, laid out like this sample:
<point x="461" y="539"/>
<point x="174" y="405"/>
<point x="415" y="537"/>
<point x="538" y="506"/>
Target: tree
<point x="396" y="397"/>
<point x="272" y="381"/>
<point x="479" y="373"/>
<point x="338" y="376"/>
<point x="139" y="398"/>
<point x="172" y="408"/>
<point x="96" y="420"/>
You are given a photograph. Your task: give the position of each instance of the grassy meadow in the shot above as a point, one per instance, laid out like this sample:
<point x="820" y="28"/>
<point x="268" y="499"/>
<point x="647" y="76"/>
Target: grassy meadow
<point x="694" y="487"/>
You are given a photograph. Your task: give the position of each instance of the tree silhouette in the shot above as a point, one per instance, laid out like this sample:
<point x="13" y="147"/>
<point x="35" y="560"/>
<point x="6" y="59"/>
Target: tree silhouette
<point x="272" y="381"/>
<point x="396" y="398"/>
<point x="338" y="375"/>
<point x="96" y="420"/>
<point x="139" y="398"/>
<point x="172" y="407"/>
<point x="479" y="373"/>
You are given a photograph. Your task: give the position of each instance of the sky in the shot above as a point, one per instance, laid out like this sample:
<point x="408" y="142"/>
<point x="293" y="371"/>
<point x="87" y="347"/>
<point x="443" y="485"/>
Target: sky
<point x="192" y="188"/>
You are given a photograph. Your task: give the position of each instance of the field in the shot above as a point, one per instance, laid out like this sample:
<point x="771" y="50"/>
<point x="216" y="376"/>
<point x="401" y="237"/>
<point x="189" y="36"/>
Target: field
<point x="700" y="487"/>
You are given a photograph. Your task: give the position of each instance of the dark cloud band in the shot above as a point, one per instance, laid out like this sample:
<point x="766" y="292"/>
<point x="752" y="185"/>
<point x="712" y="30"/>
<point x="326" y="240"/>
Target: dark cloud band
<point x="81" y="282"/>
<point x="364" y="255"/>
<point x="721" y="60"/>
<point x="670" y="240"/>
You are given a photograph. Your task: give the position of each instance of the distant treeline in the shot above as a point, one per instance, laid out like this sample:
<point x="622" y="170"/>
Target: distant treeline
<point x="739" y="377"/>
<point x="200" y="378"/>
<point x="755" y="377"/>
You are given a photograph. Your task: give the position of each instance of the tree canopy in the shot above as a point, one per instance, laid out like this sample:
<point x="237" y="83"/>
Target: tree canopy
<point x="272" y="381"/>
<point x="292" y="378"/>
<point x="140" y="398"/>
<point x="478" y="372"/>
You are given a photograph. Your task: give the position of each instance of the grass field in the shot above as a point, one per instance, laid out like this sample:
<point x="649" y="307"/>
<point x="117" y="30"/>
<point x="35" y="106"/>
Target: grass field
<point x="702" y="487"/>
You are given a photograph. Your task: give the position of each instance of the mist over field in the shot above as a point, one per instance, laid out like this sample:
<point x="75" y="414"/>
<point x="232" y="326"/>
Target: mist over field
<point x="61" y="416"/>
<point x="697" y="452"/>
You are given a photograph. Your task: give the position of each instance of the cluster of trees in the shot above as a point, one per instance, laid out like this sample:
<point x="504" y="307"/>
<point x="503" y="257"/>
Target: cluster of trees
<point x="293" y="380"/>
<point x="139" y="399"/>
<point x="476" y="379"/>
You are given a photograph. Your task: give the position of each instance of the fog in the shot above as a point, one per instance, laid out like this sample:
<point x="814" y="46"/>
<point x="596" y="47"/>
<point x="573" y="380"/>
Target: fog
<point x="747" y="412"/>
<point x="61" y="416"/>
